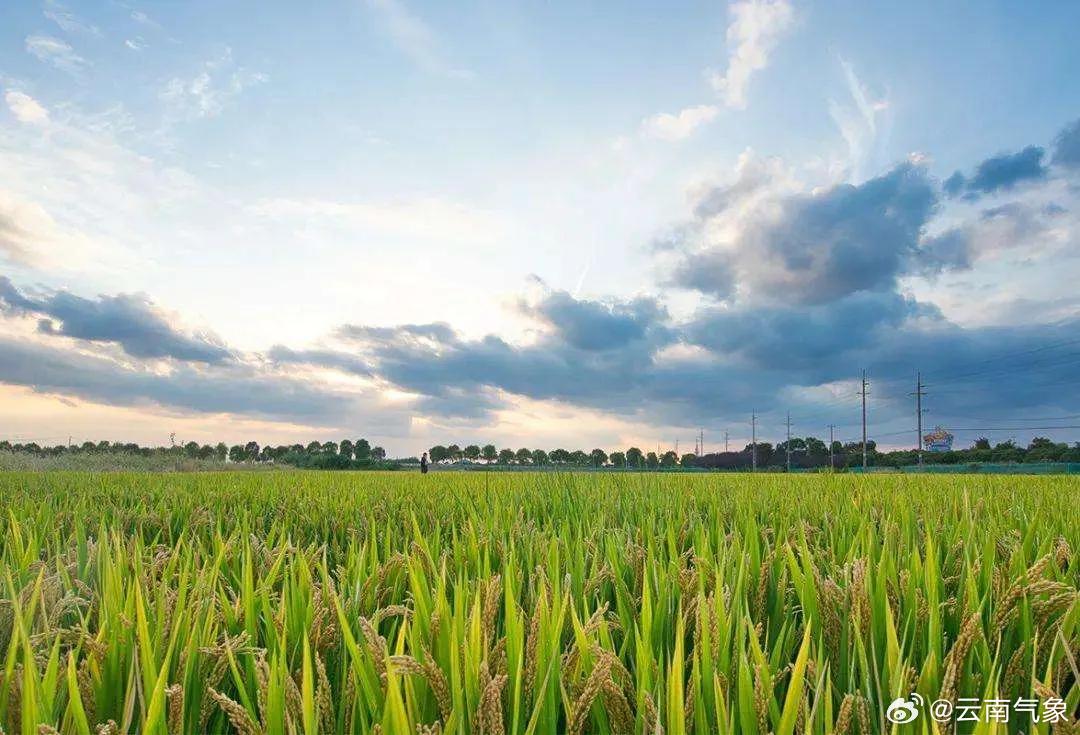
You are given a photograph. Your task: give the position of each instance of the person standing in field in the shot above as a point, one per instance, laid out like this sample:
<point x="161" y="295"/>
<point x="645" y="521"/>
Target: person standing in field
<point x="423" y="464"/>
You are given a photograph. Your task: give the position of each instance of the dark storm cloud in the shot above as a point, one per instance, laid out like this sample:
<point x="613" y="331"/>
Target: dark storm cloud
<point x="1067" y="147"/>
<point x="227" y="389"/>
<point x="129" y="320"/>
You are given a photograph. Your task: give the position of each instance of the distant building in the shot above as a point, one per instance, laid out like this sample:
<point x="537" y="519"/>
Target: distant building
<point x="938" y="440"/>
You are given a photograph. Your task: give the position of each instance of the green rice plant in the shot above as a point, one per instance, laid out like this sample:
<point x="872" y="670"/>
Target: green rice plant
<point x="491" y="603"/>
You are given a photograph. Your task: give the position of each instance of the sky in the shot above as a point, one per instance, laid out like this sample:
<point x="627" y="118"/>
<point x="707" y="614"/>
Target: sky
<point x="537" y="224"/>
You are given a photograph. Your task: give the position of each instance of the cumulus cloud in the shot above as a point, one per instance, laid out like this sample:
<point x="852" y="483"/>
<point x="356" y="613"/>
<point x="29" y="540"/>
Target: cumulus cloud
<point x="755" y="28"/>
<point x="817" y="247"/>
<point x="25" y="108"/>
<point x="1067" y="146"/>
<point x="129" y="320"/>
<point x="672" y="127"/>
<point x="743" y="359"/>
<point x="595" y="325"/>
<point x="1000" y="173"/>
<point x="56" y="52"/>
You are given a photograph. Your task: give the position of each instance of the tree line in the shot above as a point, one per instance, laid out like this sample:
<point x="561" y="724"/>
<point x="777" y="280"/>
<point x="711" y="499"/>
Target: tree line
<point x="346" y="454"/>
<point x="805" y="453"/>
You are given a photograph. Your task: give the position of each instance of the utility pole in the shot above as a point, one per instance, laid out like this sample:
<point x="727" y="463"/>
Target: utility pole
<point x="832" y="464"/>
<point x="753" y="442"/>
<point x="863" y="394"/>
<point x="919" y="393"/>
<point x="787" y="446"/>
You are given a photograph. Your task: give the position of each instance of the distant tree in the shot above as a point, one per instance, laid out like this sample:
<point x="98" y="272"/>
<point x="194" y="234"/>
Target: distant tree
<point x="816" y="448"/>
<point x="651" y="460"/>
<point x="314" y="448"/>
<point x="454" y="452"/>
<point x="598" y="457"/>
<point x="345" y="449"/>
<point x="205" y="451"/>
<point x="489" y="453"/>
<point x="634" y="457"/>
<point x="378" y="454"/>
<point x="617" y="459"/>
<point x="669" y="459"/>
<point x="540" y="457"/>
<point x="578" y="458"/>
<point x="236" y="453"/>
<point x="362" y="450"/>
<point x="251" y="451"/>
<point x="438" y="453"/>
<point x="329" y="448"/>
<point x="688" y="460"/>
<point x="472" y="452"/>
<point x="523" y="456"/>
<point x="221" y="452"/>
<point x="981" y="443"/>
<point x="559" y="456"/>
<point x="506" y="456"/>
<point x="191" y="450"/>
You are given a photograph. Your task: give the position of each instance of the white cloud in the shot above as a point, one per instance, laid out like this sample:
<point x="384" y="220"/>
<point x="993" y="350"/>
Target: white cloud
<point x="26" y="229"/>
<point x="135" y="44"/>
<point x="209" y="92"/>
<point x="755" y="29"/>
<point x="25" y="108"/>
<point x="415" y="38"/>
<point x="667" y="126"/>
<point x="56" y="52"/>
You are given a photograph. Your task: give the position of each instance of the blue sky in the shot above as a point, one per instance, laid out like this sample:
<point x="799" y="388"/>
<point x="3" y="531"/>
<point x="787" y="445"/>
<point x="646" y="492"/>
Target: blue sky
<point x="539" y="224"/>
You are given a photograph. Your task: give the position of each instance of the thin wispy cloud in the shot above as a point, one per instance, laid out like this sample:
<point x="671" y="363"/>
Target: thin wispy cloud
<point x="755" y="29"/>
<point x="863" y="123"/>
<point x="415" y="38"/>
<point x="211" y="90"/>
<point x="55" y="52"/>
<point x="68" y="21"/>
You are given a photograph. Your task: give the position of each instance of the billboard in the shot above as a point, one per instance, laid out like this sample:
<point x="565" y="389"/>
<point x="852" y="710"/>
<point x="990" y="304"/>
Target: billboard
<point x="938" y="440"/>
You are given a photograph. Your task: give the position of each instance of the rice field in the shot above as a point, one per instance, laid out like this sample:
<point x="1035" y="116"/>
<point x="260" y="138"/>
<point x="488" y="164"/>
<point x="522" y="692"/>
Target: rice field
<point x="531" y="603"/>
